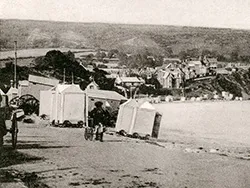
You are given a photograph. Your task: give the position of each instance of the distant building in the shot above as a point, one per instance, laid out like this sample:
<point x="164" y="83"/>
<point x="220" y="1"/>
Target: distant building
<point x="89" y="68"/>
<point x="223" y="71"/>
<point x="168" y="60"/>
<point x="198" y="67"/>
<point x="171" y="75"/>
<point x="129" y="81"/>
<point x="92" y="85"/>
<point x="112" y="65"/>
<point x="12" y="93"/>
<point x="35" y="84"/>
<point x="99" y="64"/>
<point x="170" y="78"/>
<point x="151" y="57"/>
<point x="147" y="72"/>
<point x="112" y="60"/>
<point x="110" y="99"/>
<point x="111" y="76"/>
<point x="211" y="63"/>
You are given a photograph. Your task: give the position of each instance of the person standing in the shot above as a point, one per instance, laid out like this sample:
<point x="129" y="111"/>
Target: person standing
<point x="98" y="115"/>
<point x="3" y="129"/>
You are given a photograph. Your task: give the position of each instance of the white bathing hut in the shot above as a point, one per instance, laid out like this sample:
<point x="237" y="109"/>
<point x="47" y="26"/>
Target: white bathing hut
<point x="63" y="102"/>
<point x="138" y="117"/>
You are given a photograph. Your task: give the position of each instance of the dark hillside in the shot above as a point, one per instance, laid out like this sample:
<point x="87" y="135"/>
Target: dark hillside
<point x="157" y="38"/>
<point x="238" y="84"/>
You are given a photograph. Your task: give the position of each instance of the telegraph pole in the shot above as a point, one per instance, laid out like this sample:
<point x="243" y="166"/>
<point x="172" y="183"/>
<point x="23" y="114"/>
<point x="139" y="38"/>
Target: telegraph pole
<point x="15" y="65"/>
<point x="64" y="76"/>
<point x="72" y="78"/>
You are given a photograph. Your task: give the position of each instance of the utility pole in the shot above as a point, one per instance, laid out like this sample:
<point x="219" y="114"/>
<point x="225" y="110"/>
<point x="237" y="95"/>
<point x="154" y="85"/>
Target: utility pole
<point x="15" y="65"/>
<point x="72" y="78"/>
<point x="131" y="94"/>
<point x="184" y="85"/>
<point x="64" y="76"/>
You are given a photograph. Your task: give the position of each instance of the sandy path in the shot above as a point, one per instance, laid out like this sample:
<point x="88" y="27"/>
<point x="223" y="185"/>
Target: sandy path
<point x="70" y="161"/>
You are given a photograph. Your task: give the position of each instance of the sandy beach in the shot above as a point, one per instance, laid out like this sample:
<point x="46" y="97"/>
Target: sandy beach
<point x="196" y="153"/>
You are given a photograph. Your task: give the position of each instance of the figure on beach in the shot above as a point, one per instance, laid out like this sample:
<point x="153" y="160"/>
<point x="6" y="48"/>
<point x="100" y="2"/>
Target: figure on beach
<point x="100" y="118"/>
<point x="3" y="129"/>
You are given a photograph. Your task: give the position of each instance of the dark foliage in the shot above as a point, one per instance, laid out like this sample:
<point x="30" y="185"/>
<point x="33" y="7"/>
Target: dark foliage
<point x="57" y="62"/>
<point x="229" y="86"/>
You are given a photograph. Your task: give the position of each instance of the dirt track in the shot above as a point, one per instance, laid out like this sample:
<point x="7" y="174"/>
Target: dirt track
<point x="62" y="158"/>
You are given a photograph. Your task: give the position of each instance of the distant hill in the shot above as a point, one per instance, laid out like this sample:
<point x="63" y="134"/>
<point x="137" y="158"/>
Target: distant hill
<point x="129" y="38"/>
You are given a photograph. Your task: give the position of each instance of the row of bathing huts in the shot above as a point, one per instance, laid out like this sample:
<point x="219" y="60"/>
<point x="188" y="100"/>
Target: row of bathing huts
<point x="68" y="102"/>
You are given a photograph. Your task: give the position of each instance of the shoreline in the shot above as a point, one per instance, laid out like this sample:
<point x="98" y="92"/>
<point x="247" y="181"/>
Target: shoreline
<point x="201" y="101"/>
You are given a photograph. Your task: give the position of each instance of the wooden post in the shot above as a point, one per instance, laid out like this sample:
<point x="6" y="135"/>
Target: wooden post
<point x="64" y="76"/>
<point x="86" y="108"/>
<point x="15" y="65"/>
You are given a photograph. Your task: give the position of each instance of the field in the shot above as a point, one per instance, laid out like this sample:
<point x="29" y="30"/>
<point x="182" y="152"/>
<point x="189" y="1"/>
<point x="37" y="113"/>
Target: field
<point x="38" y="52"/>
<point x="224" y="123"/>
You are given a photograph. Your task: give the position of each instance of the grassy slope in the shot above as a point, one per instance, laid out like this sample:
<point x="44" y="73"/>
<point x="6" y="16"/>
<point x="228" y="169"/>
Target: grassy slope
<point x="127" y="37"/>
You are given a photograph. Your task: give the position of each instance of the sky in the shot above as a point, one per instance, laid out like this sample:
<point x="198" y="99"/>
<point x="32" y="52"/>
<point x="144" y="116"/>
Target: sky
<point x="204" y="13"/>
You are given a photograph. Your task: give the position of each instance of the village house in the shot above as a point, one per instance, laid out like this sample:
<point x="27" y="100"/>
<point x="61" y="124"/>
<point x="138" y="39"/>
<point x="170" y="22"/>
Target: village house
<point x="111" y="60"/>
<point x="112" y="65"/>
<point x="151" y="57"/>
<point x="116" y="71"/>
<point x="211" y="63"/>
<point x="111" y="76"/>
<point x="168" y="60"/>
<point x="92" y="85"/>
<point x="89" y="68"/>
<point x="99" y="64"/>
<point x="188" y="73"/>
<point x="170" y="76"/>
<point x="241" y="65"/>
<point x="35" y="84"/>
<point x="147" y="72"/>
<point x="128" y="84"/>
<point x="198" y="67"/>
<point x="129" y="81"/>
<point x="223" y="71"/>
<point x="111" y="100"/>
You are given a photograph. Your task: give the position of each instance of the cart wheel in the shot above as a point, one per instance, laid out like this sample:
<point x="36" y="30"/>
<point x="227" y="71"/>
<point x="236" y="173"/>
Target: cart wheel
<point x="14" y="131"/>
<point x="88" y="133"/>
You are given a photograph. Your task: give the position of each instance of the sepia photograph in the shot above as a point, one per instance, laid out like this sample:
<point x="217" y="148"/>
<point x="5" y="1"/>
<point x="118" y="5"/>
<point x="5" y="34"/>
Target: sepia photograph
<point x="125" y="93"/>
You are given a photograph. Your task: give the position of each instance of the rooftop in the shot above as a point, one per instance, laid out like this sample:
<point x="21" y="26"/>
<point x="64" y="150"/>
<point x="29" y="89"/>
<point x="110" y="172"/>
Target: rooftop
<point x="67" y="88"/>
<point x="130" y="79"/>
<point x="1" y="92"/>
<point x="43" y="80"/>
<point x="105" y="94"/>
